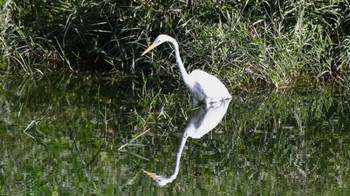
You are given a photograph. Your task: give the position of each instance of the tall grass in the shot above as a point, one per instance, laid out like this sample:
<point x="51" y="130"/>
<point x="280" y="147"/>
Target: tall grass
<point x="280" y="44"/>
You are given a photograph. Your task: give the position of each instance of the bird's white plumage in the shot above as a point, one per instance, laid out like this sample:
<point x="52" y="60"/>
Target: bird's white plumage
<point x="206" y="87"/>
<point x="203" y="86"/>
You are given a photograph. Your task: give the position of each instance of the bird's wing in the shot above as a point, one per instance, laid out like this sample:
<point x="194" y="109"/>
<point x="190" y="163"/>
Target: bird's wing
<point x="207" y="85"/>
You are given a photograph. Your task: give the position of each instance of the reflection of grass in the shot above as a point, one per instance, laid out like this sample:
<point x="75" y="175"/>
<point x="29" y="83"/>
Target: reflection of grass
<point x="288" y="139"/>
<point x="30" y="125"/>
<point x="278" y="44"/>
<point x="92" y="136"/>
<point x="130" y="143"/>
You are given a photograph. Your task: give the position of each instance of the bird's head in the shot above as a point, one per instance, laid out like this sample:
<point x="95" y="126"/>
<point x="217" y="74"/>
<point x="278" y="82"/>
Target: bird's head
<point x="159" y="40"/>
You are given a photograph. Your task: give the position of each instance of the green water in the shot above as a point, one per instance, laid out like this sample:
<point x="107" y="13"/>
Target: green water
<point x="66" y="135"/>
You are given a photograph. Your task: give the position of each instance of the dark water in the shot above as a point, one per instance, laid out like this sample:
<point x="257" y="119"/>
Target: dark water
<point x="82" y="135"/>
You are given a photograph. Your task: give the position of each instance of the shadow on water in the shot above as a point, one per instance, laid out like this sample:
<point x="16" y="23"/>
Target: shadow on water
<point x="200" y="123"/>
<point x="83" y="135"/>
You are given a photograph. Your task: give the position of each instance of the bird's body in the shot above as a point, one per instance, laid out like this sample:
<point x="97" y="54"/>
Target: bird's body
<point x="203" y="86"/>
<point x="206" y="87"/>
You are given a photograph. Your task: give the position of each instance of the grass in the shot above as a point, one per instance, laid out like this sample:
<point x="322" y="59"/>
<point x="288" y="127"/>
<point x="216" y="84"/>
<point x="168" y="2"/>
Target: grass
<point x="275" y="44"/>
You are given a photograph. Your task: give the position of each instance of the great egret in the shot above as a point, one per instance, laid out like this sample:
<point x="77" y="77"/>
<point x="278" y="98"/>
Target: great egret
<point x="203" y="86"/>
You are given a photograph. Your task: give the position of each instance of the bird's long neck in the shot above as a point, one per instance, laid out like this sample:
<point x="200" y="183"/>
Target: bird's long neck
<point x="183" y="71"/>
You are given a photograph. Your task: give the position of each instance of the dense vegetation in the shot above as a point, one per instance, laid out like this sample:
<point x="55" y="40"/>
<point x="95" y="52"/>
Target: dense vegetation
<point x="248" y="43"/>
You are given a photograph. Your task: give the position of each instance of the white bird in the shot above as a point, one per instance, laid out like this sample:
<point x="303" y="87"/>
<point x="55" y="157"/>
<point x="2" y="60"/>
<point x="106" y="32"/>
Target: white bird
<point x="203" y="86"/>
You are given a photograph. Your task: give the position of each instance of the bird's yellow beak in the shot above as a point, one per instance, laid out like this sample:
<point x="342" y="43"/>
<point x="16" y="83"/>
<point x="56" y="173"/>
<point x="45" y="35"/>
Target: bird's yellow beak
<point x="150" y="48"/>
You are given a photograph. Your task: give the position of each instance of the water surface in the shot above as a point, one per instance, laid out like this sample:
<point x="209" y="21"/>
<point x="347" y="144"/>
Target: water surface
<point x="75" y="135"/>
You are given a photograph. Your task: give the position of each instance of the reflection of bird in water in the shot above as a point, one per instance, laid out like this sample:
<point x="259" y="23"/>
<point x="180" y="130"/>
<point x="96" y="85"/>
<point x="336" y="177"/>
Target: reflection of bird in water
<point x="201" y="122"/>
<point x="203" y="86"/>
